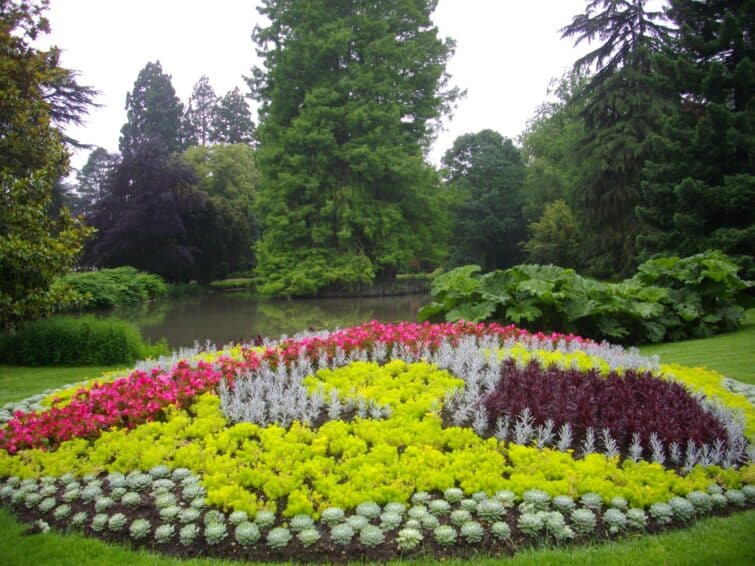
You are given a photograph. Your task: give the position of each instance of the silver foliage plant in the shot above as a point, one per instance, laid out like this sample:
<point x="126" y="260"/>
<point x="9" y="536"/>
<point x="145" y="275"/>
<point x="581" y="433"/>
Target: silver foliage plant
<point x="267" y="395"/>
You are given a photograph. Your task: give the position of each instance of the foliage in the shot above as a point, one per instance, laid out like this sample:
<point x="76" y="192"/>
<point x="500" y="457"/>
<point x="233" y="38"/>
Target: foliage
<point x="667" y="299"/>
<point x="75" y="341"/>
<point x="93" y="180"/>
<point x="698" y="187"/>
<point x="346" y="194"/>
<point x="153" y="115"/>
<point x="197" y="120"/>
<point x="556" y="238"/>
<point x="624" y="102"/>
<point x="38" y="96"/>
<point x="488" y="171"/>
<point x="232" y="120"/>
<point x="114" y="287"/>
<point x="228" y="175"/>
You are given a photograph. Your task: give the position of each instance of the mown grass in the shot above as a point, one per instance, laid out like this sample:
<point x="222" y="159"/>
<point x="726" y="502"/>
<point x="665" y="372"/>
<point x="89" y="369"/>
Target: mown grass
<point x="18" y="382"/>
<point x="732" y="354"/>
<point x="717" y="540"/>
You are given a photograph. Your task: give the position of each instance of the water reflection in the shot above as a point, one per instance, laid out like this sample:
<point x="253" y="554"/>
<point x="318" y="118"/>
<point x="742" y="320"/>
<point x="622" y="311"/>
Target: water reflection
<point x="224" y="317"/>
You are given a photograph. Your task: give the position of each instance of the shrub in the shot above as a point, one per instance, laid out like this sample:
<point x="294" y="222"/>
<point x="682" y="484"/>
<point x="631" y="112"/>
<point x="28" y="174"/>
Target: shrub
<point x="668" y="299"/>
<point x="114" y="287"/>
<point x="76" y="341"/>
<point x="371" y="536"/>
<point x="408" y="539"/>
<point x="247" y="533"/>
<point x="445" y="535"/>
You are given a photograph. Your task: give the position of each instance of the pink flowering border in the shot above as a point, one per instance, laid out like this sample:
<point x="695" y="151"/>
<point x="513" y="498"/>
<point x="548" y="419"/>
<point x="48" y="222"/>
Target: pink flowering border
<point x="141" y="397"/>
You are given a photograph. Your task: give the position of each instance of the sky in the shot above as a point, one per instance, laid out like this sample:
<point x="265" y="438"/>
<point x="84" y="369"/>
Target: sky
<point x="507" y="52"/>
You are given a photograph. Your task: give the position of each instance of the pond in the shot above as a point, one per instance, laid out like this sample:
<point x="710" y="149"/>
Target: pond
<point x="225" y="317"/>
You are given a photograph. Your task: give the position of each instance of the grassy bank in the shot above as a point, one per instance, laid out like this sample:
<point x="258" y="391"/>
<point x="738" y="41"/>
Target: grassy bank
<point x="726" y="540"/>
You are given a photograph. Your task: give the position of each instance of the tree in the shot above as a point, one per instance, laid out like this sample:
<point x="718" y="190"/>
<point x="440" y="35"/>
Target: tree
<point x="555" y="237"/>
<point x="38" y="97"/>
<point x="228" y="175"/>
<point x="200" y="113"/>
<point x="349" y="93"/>
<point x="699" y="186"/>
<point x="94" y="179"/>
<point x="142" y="222"/>
<point x="624" y="103"/>
<point x="153" y="114"/>
<point x="232" y="120"/>
<point x="550" y="147"/>
<point x="487" y="169"/>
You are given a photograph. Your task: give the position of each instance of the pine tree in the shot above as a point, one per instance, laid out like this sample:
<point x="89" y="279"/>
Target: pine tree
<point x="153" y="113"/>
<point x="200" y="113"/>
<point x="699" y="189"/>
<point x="232" y="120"/>
<point x="624" y="103"/>
<point x="350" y="92"/>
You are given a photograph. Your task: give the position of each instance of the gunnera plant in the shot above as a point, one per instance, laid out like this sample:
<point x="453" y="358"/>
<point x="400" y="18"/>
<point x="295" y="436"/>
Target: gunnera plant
<point x="278" y="538"/>
<point x="246" y="533"/>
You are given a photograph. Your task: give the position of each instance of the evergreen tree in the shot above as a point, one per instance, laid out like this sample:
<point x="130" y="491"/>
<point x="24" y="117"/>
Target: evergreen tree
<point x="154" y="114"/>
<point x="699" y="189"/>
<point x="37" y="98"/>
<point x="93" y="180"/>
<point x="350" y="92"/>
<point x="232" y="120"/>
<point x="200" y="113"/>
<point x="624" y="103"/>
<point x="488" y="171"/>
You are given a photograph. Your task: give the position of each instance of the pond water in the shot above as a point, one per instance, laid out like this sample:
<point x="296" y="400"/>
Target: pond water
<point x="225" y="317"/>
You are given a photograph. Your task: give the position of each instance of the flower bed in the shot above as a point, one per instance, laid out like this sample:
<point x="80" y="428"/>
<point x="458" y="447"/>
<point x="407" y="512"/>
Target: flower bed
<point x="381" y="440"/>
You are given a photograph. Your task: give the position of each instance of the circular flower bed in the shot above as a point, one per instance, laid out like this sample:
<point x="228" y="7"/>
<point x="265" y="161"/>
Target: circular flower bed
<point x="382" y="440"/>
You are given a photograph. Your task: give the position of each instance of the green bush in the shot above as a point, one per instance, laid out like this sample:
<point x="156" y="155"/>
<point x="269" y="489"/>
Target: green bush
<point x="76" y="341"/>
<point x="668" y="299"/>
<point x="114" y="287"/>
<point x="246" y="283"/>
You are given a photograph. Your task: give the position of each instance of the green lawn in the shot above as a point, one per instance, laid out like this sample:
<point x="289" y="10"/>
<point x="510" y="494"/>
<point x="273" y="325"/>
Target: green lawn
<point x="731" y="354"/>
<point x="17" y="383"/>
<point x="717" y="541"/>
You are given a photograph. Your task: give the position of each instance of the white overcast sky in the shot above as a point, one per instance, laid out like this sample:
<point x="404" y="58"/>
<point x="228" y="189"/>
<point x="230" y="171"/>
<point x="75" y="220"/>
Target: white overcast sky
<point x="506" y="54"/>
